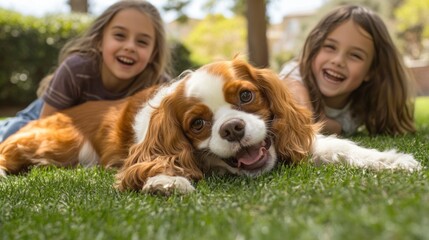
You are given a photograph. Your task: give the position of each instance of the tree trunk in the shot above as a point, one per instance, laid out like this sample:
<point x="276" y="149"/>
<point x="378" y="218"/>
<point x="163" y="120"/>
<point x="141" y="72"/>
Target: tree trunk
<point x="80" y="6"/>
<point x="257" y="33"/>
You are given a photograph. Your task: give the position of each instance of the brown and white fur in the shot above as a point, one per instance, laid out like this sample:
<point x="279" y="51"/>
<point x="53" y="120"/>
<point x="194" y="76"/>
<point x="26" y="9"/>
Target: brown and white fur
<point x="226" y="117"/>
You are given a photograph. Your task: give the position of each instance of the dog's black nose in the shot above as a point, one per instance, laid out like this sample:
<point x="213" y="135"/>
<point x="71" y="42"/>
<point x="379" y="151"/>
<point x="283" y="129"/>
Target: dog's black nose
<point x="232" y="130"/>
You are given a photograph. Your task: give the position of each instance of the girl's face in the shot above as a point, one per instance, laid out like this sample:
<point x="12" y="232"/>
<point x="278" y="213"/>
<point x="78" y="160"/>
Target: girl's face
<point x="127" y="45"/>
<point x="343" y="63"/>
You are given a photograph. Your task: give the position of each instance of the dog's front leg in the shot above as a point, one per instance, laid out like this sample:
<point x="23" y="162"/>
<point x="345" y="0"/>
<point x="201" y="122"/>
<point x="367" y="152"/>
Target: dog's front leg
<point x="166" y="185"/>
<point x="330" y="149"/>
<point x="156" y="177"/>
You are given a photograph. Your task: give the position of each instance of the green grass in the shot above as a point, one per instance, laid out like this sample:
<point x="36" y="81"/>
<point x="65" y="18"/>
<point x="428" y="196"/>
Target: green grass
<point x="422" y="112"/>
<point x="302" y="202"/>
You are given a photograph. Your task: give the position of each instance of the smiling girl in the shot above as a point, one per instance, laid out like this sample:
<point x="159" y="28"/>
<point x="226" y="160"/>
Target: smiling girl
<point x="351" y="74"/>
<point x="122" y="52"/>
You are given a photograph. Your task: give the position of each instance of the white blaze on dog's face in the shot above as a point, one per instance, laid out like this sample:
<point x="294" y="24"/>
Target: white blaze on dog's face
<point x="228" y="121"/>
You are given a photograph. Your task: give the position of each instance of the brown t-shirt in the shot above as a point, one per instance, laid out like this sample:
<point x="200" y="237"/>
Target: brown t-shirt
<point x="76" y="81"/>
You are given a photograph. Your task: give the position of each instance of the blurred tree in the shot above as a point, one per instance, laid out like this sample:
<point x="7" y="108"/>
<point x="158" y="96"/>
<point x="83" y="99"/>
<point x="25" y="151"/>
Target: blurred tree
<point x="255" y="13"/>
<point x="216" y="37"/>
<point x="257" y="33"/>
<point x="413" y="24"/>
<point x="181" y="59"/>
<point x="80" y="6"/>
<point x="30" y="47"/>
<point x="177" y="6"/>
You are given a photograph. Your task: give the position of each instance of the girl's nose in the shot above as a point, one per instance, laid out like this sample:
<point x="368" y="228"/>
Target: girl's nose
<point x="338" y="60"/>
<point x="129" y="45"/>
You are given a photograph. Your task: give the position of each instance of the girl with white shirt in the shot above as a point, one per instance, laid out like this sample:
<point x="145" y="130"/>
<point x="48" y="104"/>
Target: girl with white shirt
<point x="350" y="74"/>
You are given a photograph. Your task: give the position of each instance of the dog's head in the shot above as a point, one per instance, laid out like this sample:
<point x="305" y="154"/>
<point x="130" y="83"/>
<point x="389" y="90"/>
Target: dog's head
<point x="245" y="119"/>
<point x="224" y="117"/>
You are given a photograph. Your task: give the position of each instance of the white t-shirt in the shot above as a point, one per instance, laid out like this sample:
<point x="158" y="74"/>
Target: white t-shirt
<point x="349" y="124"/>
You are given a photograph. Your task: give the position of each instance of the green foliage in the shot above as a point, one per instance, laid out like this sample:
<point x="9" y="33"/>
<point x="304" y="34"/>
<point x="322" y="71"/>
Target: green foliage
<point x="217" y="37"/>
<point x="30" y="48"/>
<point x="181" y="58"/>
<point x="177" y="6"/>
<point x="422" y="113"/>
<point x="280" y="59"/>
<point x="413" y="13"/>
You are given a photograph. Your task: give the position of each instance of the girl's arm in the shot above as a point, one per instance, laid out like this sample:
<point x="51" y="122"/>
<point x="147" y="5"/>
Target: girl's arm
<point x="47" y="110"/>
<point x="330" y="126"/>
<point x="301" y="95"/>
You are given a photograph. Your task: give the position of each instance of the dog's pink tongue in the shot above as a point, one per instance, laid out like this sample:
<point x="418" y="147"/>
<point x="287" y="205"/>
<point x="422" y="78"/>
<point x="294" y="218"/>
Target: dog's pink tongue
<point x="249" y="157"/>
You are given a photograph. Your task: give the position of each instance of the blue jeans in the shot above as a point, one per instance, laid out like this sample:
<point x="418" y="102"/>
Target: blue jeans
<point x="11" y="125"/>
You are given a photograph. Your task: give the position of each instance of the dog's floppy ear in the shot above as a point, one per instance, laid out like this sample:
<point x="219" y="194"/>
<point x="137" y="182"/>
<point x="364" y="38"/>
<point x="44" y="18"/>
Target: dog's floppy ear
<point x="165" y="150"/>
<point x="292" y="124"/>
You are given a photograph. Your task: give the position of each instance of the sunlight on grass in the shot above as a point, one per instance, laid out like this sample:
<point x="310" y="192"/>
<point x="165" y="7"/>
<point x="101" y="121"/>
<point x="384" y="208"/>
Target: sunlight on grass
<point x="292" y="202"/>
<point x="422" y="112"/>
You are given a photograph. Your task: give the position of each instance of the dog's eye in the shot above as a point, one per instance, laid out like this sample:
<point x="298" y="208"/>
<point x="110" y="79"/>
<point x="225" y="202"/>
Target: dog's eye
<point x="197" y="124"/>
<point x="246" y="96"/>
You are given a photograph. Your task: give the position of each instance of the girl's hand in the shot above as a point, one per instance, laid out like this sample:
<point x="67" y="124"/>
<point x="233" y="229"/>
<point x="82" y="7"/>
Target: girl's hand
<point x="330" y="126"/>
<point x="302" y="97"/>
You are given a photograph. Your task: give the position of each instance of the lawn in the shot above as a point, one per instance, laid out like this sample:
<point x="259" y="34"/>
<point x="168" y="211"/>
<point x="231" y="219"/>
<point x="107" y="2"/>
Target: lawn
<point x="301" y="202"/>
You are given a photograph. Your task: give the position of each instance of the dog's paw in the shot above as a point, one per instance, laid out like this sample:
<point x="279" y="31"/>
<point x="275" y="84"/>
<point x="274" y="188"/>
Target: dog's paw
<point x="167" y="185"/>
<point x="3" y="173"/>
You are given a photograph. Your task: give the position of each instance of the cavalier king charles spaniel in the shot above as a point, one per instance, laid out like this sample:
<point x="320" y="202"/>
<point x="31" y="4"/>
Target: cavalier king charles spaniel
<point x="225" y="117"/>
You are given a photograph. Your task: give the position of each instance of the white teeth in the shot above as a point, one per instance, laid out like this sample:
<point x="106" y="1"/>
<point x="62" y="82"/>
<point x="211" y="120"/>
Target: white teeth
<point x="334" y="74"/>
<point x="126" y="60"/>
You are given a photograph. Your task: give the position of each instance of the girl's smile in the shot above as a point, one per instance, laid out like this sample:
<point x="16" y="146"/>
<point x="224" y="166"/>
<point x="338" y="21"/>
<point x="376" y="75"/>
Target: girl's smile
<point x="127" y="46"/>
<point x="343" y="63"/>
<point x="334" y="77"/>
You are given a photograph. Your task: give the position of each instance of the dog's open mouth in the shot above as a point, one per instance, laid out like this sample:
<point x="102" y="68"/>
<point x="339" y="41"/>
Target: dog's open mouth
<point x="251" y="157"/>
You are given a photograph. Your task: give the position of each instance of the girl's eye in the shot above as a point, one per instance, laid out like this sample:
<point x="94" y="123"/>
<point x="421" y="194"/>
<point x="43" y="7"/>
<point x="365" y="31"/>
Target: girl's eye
<point x="119" y="36"/>
<point x="142" y="42"/>
<point x="356" y="56"/>
<point x="329" y="47"/>
<point x="198" y="124"/>
<point x="246" y="96"/>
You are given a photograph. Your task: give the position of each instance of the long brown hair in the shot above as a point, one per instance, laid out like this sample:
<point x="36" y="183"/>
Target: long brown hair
<point x="386" y="102"/>
<point x="88" y="43"/>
